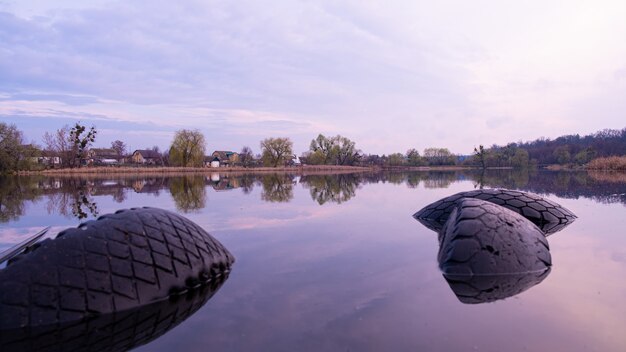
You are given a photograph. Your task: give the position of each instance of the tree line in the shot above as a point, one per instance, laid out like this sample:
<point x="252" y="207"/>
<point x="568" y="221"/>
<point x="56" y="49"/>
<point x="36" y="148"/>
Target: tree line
<point x="70" y="145"/>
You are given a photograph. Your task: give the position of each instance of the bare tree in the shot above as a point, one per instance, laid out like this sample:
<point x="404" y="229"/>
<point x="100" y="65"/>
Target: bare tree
<point x="59" y="144"/>
<point x="119" y="147"/>
<point x="246" y="156"/>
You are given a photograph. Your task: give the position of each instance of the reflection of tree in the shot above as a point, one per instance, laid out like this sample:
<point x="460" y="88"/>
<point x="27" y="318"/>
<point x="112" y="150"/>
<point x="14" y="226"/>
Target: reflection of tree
<point x="413" y="179"/>
<point x="13" y="192"/>
<point x="81" y="200"/>
<point x="73" y="196"/>
<point x="189" y="192"/>
<point x="277" y="188"/>
<point x="246" y="183"/>
<point x="440" y="179"/>
<point x="333" y="188"/>
<point x="505" y="178"/>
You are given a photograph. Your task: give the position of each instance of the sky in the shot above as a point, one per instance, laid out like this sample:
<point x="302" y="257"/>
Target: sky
<point x="389" y="75"/>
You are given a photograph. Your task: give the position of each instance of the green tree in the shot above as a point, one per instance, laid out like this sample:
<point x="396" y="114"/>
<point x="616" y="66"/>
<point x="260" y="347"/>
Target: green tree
<point x="276" y="151"/>
<point x="338" y="150"/>
<point x="439" y="156"/>
<point x="395" y="159"/>
<point x="585" y="156"/>
<point x="413" y="157"/>
<point x="561" y="154"/>
<point x="188" y="149"/>
<point x="323" y="150"/>
<point x="520" y="159"/>
<point x="346" y="152"/>
<point x="11" y="140"/>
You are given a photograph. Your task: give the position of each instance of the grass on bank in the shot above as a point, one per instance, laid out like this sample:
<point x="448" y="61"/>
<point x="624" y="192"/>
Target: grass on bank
<point x="611" y="163"/>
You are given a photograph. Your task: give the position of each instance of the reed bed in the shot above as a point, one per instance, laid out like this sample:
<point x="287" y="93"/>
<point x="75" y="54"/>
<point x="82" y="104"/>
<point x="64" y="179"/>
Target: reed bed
<point x="611" y="163"/>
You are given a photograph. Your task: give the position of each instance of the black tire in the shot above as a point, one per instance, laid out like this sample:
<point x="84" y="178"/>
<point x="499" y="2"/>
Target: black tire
<point x="549" y="216"/>
<point x="119" y="331"/>
<point x="119" y="262"/>
<point x="481" y="238"/>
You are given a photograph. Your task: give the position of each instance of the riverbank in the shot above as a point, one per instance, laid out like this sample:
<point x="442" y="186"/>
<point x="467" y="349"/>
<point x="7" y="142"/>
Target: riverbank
<point x="204" y="170"/>
<point x="302" y="170"/>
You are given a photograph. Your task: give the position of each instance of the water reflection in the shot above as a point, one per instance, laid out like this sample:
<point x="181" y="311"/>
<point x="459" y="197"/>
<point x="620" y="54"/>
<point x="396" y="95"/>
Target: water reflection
<point x="14" y="192"/>
<point x="119" y="331"/>
<point x="277" y="188"/>
<point x="489" y="288"/>
<point x="189" y="193"/>
<point x="78" y="196"/>
<point x="332" y="188"/>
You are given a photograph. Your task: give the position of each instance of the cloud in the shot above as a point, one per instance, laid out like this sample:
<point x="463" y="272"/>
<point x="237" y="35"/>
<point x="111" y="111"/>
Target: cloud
<point x="406" y="74"/>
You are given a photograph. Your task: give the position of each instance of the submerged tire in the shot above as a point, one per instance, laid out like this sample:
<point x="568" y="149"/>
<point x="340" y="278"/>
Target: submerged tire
<point x="119" y="262"/>
<point x="549" y="216"/>
<point x="481" y="238"/>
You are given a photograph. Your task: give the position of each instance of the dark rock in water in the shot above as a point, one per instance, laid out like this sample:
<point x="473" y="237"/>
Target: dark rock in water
<point x="481" y="238"/>
<point x="477" y="289"/>
<point x="120" y="262"/>
<point x="118" y="331"/>
<point x="549" y="216"/>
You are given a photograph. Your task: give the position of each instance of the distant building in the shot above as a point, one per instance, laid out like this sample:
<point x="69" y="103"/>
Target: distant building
<point x="50" y="158"/>
<point x="103" y="156"/>
<point x="147" y="157"/>
<point x="211" y="161"/>
<point x="224" y="158"/>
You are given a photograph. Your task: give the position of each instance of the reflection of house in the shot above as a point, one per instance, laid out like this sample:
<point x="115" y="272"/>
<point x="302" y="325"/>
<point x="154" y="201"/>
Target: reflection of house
<point x="147" y="157"/>
<point x="104" y="156"/>
<point x="224" y="158"/>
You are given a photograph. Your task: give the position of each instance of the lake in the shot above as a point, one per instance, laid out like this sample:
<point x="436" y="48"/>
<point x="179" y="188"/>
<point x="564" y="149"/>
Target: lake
<point x="336" y="262"/>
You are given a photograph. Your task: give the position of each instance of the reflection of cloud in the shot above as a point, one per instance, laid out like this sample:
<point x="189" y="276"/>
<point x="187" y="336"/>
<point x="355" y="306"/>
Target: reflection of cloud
<point x="11" y="236"/>
<point x="278" y="220"/>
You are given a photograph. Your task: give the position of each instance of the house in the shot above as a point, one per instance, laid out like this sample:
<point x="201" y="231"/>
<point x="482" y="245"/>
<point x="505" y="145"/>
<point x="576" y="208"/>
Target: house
<point x="211" y="161"/>
<point x="103" y="156"/>
<point x="50" y="158"/>
<point x="147" y="157"/>
<point x="225" y="158"/>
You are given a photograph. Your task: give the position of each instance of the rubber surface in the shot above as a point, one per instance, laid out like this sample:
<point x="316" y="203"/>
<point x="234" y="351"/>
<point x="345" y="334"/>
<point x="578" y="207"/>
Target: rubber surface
<point x="549" y="216"/>
<point x="481" y="238"/>
<point x="120" y="331"/>
<point x="119" y="262"/>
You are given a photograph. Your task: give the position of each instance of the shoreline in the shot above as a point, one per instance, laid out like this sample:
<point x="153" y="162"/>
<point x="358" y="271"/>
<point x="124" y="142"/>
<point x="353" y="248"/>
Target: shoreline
<point x="301" y="170"/>
<point x="305" y="169"/>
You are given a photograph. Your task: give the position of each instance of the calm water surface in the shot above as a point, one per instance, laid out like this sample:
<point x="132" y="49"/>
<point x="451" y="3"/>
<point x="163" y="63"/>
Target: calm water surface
<point x="336" y="262"/>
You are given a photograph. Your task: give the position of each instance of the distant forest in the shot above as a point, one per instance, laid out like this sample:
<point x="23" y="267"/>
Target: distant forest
<point x="568" y="149"/>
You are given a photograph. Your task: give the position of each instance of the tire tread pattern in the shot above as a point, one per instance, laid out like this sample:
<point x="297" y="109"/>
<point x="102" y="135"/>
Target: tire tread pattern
<point x="549" y="216"/>
<point x="119" y="261"/>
